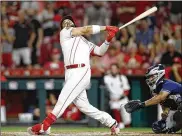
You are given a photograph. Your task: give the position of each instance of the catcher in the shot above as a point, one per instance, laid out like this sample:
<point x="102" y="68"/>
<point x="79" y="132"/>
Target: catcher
<point x="165" y="92"/>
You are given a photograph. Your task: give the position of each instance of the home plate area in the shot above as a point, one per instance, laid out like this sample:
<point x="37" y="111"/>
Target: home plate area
<point x="88" y="134"/>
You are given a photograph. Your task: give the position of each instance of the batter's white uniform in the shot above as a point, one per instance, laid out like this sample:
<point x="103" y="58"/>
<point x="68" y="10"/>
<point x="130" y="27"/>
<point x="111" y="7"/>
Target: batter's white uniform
<point x="116" y="87"/>
<point x="76" y="50"/>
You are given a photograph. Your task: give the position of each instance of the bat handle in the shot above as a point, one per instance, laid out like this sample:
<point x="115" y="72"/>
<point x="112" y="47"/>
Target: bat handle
<point x="121" y="27"/>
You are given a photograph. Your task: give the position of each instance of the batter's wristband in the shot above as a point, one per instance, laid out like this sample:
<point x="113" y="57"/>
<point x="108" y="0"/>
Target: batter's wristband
<point x="95" y="29"/>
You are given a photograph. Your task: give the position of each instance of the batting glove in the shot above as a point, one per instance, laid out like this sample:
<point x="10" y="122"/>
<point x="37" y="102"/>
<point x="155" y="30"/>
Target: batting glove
<point x="112" y="30"/>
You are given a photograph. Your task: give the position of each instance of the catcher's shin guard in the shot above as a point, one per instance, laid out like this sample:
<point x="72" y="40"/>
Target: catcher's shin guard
<point x="177" y="117"/>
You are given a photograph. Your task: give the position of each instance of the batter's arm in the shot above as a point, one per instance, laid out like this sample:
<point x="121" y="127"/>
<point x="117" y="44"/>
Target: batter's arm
<point x="100" y="50"/>
<point x="87" y="30"/>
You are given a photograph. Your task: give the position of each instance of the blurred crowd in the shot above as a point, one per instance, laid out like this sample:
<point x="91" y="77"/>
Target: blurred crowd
<point x="30" y="33"/>
<point x="29" y="36"/>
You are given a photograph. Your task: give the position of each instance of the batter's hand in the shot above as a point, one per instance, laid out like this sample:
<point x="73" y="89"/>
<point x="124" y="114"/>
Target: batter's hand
<point x="112" y="30"/>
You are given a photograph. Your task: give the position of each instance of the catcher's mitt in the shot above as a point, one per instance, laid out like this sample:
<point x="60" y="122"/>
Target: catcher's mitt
<point x="134" y="105"/>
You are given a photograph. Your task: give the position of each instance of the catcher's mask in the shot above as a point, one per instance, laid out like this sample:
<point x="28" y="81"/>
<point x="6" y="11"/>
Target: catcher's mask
<point x="67" y="21"/>
<point x="154" y="76"/>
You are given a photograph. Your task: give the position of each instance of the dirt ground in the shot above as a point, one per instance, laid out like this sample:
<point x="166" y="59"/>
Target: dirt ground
<point x="90" y="134"/>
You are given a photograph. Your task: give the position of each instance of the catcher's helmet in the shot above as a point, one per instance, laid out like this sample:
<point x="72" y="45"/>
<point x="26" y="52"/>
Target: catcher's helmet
<point x="159" y="127"/>
<point x="66" y="17"/>
<point x="154" y="76"/>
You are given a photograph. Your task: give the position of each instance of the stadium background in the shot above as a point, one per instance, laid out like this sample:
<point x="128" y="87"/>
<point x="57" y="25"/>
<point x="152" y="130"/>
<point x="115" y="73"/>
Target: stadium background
<point x="25" y="87"/>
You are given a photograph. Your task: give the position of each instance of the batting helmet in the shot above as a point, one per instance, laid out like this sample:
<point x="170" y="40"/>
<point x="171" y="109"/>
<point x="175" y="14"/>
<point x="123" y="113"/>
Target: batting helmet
<point x="66" y="17"/>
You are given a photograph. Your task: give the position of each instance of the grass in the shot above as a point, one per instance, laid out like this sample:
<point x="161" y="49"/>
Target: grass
<point x="57" y="129"/>
<point x="81" y="131"/>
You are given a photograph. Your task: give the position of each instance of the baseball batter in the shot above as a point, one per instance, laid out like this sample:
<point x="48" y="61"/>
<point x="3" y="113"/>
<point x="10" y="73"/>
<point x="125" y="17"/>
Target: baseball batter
<point x="77" y="50"/>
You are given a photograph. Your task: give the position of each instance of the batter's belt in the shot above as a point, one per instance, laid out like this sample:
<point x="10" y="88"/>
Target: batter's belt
<point x="75" y="66"/>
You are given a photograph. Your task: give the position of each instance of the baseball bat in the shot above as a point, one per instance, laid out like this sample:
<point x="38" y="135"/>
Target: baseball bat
<point x="143" y="15"/>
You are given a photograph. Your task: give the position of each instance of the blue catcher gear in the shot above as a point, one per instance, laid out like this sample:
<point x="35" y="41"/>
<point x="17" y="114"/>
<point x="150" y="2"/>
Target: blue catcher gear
<point x="159" y="127"/>
<point x="154" y="76"/>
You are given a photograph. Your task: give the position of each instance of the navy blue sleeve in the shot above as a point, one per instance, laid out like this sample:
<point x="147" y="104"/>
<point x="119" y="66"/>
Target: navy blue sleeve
<point x="168" y="87"/>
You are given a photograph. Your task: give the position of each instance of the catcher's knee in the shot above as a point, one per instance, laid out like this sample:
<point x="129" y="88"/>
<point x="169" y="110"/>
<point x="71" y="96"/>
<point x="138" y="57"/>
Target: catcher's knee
<point x="177" y="117"/>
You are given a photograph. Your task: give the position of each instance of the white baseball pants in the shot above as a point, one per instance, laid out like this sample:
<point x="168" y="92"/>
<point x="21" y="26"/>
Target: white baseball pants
<point x="76" y="81"/>
<point x="3" y="114"/>
<point x="24" y="53"/>
<point x="126" y="117"/>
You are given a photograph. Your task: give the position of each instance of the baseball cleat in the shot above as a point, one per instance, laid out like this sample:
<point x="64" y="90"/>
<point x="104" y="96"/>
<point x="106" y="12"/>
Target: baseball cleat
<point x="115" y="129"/>
<point x="29" y="130"/>
<point x="40" y="132"/>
